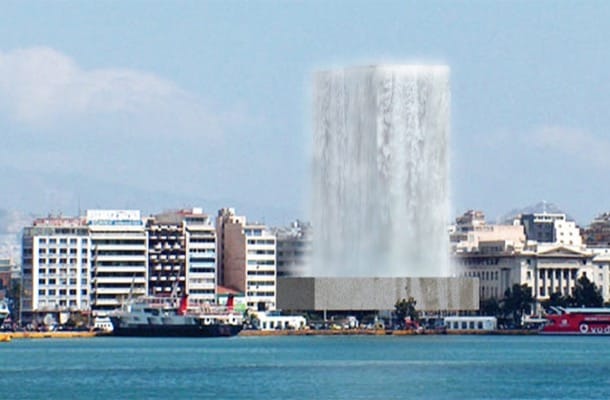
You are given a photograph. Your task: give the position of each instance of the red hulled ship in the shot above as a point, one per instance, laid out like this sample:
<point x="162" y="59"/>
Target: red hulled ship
<point x="577" y="321"/>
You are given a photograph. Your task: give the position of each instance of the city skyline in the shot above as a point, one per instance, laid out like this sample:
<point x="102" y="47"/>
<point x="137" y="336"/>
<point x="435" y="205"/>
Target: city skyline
<point x="149" y="106"/>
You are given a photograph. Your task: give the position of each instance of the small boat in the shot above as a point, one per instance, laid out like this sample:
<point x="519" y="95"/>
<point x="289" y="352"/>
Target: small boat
<point x="171" y="317"/>
<point x="5" y="338"/>
<point x="577" y="321"/>
<point x="4" y="311"/>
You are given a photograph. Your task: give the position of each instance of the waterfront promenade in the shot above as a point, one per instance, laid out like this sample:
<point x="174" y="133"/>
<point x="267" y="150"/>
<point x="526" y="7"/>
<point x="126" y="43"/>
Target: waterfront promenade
<point x="8" y="336"/>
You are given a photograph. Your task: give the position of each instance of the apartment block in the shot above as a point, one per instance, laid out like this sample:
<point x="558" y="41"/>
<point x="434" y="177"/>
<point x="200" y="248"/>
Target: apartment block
<point x="182" y="255"/>
<point x="56" y="266"/>
<point x="119" y="257"/>
<point x="247" y="259"/>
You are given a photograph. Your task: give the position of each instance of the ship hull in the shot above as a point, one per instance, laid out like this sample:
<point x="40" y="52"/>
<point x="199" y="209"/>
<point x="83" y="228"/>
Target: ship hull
<point x="212" y="330"/>
<point x="579" y="322"/>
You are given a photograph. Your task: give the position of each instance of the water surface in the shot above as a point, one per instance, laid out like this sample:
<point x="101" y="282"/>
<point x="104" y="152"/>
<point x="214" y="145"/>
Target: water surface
<point x="415" y="367"/>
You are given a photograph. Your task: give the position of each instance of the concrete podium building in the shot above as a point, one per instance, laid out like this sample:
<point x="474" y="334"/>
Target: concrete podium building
<point x="377" y="294"/>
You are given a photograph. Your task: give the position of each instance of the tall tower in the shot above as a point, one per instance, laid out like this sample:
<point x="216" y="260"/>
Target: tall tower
<point x="380" y="171"/>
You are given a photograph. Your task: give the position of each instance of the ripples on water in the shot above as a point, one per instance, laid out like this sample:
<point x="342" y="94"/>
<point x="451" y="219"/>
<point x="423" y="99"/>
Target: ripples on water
<point x="419" y="367"/>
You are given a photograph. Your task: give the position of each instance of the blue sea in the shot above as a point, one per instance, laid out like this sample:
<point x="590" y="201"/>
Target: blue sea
<point x="322" y="367"/>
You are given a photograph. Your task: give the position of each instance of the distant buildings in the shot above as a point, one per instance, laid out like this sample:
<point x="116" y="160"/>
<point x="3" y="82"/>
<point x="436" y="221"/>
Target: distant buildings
<point x="598" y="232"/>
<point x="97" y="262"/>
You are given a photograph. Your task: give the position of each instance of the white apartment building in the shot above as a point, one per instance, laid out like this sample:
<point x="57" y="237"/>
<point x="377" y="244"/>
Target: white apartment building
<point x="119" y="257"/>
<point x="201" y="257"/>
<point x="247" y="259"/>
<point x="567" y="233"/>
<point x="56" y="267"/>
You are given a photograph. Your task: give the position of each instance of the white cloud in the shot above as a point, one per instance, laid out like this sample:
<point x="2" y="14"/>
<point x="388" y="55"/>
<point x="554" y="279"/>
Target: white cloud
<point x="579" y="144"/>
<point x="42" y="87"/>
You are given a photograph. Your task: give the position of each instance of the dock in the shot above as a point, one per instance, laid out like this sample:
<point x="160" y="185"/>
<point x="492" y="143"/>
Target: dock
<point x="8" y="336"/>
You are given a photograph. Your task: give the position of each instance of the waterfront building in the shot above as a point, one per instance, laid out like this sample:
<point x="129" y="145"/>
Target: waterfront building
<point x="166" y="255"/>
<point x="546" y="267"/>
<point x="182" y="255"/>
<point x="294" y="249"/>
<point x="542" y="250"/>
<point x="471" y="323"/>
<point x="201" y="256"/>
<point x="56" y="266"/>
<point x="239" y="298"/>
<point x="601" y="261"/>
<point x="366" y="296"/>
<point x="119" y="257"/>
<point x="247" y="258"/>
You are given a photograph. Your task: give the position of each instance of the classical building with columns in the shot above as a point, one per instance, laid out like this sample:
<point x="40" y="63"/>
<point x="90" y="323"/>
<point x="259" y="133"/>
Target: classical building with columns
<point x="501" y="256"/>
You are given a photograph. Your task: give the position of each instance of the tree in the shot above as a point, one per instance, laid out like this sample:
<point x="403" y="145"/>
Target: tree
<point x="14" y="295"/>
<point x="586" y="293"/>
<point x="556" y="299"/>
<point x="490" y="307"/>
<point x="405" y="308"/>
<point x="517" y="301"/>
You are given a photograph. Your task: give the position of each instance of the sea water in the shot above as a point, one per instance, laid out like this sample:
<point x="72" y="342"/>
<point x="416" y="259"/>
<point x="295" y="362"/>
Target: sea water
<point x="322" y="367"/>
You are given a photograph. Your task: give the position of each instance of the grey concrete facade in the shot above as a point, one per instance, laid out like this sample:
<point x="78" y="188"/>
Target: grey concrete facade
<point x="369" y="294"/>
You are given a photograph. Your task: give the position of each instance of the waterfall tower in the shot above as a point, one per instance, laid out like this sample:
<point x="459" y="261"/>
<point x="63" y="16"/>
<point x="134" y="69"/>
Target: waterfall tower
<point x="380" y="203"/>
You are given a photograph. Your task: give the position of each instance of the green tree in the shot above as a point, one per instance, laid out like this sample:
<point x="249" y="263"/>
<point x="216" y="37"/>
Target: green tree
<point x="490" y="307"/>
<point x="586" y="293"/>
<point x="406" y="308"/>
<point x="517" y="302"/>
<point x="556" y="299"/>
<point x="14" y="294"/>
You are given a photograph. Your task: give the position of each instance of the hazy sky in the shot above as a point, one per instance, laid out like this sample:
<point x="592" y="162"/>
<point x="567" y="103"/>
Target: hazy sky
<point x="155" y="105"/>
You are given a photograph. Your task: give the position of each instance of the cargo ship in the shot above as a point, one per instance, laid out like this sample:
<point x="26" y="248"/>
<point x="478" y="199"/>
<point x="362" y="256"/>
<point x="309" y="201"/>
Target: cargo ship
<point x="170" y="317"/>
<point x="577" y="321"/>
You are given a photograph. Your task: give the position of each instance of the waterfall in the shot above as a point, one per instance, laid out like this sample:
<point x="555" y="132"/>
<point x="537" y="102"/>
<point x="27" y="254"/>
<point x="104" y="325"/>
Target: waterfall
<point x="380" y="203"/>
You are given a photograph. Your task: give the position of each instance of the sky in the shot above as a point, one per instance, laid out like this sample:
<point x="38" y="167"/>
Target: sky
<point x="156" y="105"/>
